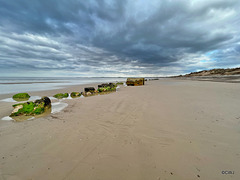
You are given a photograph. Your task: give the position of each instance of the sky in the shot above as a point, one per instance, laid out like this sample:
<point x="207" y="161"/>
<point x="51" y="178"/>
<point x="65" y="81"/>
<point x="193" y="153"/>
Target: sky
<point x="113" y="38"/>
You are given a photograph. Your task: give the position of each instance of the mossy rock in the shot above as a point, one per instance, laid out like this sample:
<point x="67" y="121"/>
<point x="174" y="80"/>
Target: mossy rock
<point x="113" y="89"/>
<point x="75" y="94"/>
<point x="107" y="89"/>
<point x="31" y="108"/>
<point x="61" y="95"/>
<point x="89" y="89"/>
<point x="100" y="90"/>
<point x="119" y="83"/>
<point x="21" y="97"/>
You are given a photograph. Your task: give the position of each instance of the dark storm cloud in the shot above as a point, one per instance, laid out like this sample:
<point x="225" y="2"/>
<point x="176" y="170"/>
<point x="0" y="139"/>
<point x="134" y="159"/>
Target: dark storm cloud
<point x="119" y="37"/>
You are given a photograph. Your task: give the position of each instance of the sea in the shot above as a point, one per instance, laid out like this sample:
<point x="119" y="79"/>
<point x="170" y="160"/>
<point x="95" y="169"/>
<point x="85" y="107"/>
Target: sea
<point x="27" y="84"/>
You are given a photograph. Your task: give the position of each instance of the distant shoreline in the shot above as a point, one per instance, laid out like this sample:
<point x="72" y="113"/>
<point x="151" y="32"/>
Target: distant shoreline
<point x="213" y="78"/>
<point x="35" y="82"/>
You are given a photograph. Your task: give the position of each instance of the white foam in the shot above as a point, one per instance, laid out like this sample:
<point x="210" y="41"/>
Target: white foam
<point x="8" y="100"/>
<point x="33" y="98"/>
<point x="58" y="106"/>
<point x="31" y="118"/>
<point x="69" y="97"/>
<point x="118" y="87"/>
<point x="52" y="98"/>
<point x="7" y="118"/>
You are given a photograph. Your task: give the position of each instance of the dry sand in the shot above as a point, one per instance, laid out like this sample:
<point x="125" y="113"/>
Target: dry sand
<point x="167" y="129"/>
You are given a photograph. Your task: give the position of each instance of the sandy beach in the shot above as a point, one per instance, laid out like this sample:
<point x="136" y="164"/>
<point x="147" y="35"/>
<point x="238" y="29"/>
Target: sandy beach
<point x="167" y="129"/>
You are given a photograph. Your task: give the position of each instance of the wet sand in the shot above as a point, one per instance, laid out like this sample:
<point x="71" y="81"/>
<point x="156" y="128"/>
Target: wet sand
<point x="167" y="129"/>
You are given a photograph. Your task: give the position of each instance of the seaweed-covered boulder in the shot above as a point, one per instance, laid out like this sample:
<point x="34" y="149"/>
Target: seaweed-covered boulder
<point x="31" y="108"/>
<point x="111" y="85"/>
<point x="89" y="89"/>
<point x="44" y="100"/>
<point x="21" y="97"/>
<point x="105" y="85"/>
<point x="135" y="81"/>
<point x="106" y="89"/>
<point x="61" y="95"/>
<point x="75" y="94"/>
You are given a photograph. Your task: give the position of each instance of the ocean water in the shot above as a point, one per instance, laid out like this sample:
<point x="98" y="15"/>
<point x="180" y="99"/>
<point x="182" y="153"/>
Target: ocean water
<point x="28" y="84"/>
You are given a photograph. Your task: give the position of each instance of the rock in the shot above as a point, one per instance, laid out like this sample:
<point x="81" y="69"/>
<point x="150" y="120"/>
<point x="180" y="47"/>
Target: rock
<point x="44" y="100"/>
<point x="135" y="81"/>
<point x="16" y="108"/>
<point x="89" y="89"/>
<point x="31" y="108"/>
<point x="88" y="93"/>
<point x="112" y="85"/>
<point x="75" y="94"/>
<point x="61" y="95"/>
<point x="107" y="87"/>
<point x="21" y="97"/>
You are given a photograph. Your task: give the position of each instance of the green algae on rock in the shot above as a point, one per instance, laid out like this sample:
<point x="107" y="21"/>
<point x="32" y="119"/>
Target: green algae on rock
<point x="75" y="94"/>
<point x="61" y="95"/>
<point x="107" y="87"/>
<point x="31" y="108"/>
<point x="135" y="81"/>
<point x="89" y="89"/>
<point x="21" y="97"/>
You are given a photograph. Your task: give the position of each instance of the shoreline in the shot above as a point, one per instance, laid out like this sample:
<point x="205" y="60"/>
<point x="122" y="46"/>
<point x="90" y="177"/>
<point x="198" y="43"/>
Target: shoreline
<point x="17" y="85"/>
<point x="33" y="82"/>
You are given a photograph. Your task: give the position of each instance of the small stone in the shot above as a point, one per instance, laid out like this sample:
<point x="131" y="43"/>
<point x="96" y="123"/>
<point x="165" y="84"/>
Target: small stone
<point x="88" y="93"/>
<point x="89" y="89"/>
<point x="61" y="95"/>
<point x="75" y="94"/>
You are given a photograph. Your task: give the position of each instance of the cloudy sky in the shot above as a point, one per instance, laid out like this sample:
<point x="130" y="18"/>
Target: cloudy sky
<point x="117" y="37"/>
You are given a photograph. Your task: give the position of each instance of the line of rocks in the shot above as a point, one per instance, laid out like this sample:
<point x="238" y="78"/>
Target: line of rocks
<point x="41" y="105"/>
